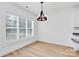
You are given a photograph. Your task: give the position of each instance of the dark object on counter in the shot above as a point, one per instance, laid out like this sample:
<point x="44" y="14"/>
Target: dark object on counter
<point x="75" y="40"/>
<point x="75" y="33"/>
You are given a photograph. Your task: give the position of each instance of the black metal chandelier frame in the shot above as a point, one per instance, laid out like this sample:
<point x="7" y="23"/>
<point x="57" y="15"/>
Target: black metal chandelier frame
<point x="42" y="17"/>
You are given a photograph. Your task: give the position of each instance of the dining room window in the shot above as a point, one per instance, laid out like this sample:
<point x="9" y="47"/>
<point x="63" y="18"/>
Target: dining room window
<point x="18" y="27"/>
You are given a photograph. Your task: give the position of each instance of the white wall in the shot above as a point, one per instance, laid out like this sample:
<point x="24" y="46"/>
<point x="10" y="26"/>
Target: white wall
<point x="13" y="9"/>
<point x="58" y="28"/>
<point x="7" y="46"/>
<point x="76" y="18"/>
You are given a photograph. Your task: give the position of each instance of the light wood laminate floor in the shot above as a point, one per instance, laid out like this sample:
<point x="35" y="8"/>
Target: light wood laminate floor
<point x="42" y="49"/>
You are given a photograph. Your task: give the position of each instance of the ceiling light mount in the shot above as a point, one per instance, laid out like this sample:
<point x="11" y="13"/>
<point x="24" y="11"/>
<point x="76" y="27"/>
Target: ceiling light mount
<point x="26" y="6"/>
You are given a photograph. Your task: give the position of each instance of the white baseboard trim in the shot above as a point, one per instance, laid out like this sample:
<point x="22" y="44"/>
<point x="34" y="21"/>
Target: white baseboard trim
<point x="10" y="48"/>
<point x="54" y="43"/>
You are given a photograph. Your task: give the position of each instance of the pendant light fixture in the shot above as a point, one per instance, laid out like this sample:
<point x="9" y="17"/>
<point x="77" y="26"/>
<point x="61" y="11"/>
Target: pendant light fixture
<point x="41" y="17"/>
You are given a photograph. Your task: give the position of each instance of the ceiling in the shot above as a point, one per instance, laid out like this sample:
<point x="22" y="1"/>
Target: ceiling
<point x="49" y="7"/>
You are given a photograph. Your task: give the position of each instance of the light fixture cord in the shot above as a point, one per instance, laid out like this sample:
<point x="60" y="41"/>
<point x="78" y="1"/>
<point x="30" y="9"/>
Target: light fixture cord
<point x="41" y="6"/>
